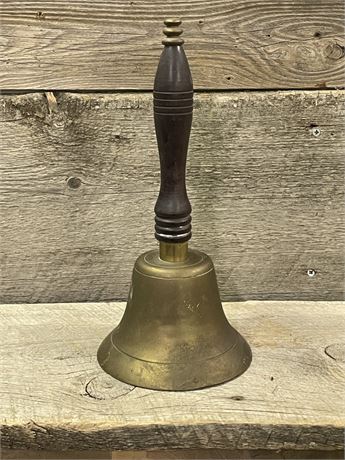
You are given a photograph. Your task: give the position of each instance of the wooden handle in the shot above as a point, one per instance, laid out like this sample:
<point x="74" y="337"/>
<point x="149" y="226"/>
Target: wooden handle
<point x="173" y="111"/>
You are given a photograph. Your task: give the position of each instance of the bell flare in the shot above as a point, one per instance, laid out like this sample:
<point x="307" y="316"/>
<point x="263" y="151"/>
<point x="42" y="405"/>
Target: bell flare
<point x="174" y="334"/>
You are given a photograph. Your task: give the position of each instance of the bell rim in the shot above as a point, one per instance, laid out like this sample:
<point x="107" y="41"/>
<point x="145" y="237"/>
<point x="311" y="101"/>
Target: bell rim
<point x="212" y="371"/>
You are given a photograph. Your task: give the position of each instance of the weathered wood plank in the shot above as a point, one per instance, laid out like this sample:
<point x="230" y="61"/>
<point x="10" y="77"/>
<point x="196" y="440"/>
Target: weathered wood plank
<point x="27" y="454"/>
<point x="54" y="395"/>
<point x="176" y="454"/>
<point x="266" y="174"/>
<point x="226" y="454"/>
<point x="114" y="44"/>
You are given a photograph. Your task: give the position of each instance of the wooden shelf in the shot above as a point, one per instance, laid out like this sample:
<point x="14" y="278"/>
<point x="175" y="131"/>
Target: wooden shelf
<point x="54" y="395"/>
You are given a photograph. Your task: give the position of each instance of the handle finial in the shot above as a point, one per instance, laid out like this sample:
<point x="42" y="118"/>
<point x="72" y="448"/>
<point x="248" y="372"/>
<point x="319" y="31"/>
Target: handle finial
<point x="172" y="31"/>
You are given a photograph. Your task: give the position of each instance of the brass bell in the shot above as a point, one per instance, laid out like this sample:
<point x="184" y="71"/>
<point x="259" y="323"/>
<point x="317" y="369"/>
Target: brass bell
<point x="174" y="334"/>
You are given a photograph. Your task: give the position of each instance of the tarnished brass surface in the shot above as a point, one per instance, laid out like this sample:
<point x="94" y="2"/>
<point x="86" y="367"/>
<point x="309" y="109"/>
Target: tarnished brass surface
<point x="173" y="252"/>
<point x="174" y="334"/>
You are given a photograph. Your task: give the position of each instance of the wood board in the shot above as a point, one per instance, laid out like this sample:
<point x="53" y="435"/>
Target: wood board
<point x="80" y="175"/>
<point x="175" y="454"/>
<point x="54" y="396"/>
<point x="115" y="44"/>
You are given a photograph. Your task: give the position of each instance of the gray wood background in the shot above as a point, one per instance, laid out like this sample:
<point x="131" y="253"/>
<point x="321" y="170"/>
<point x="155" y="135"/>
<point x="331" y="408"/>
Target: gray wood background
<point x="113" y="44"/>
<point x="80" y="173"/>
<point x="79" y="170"/>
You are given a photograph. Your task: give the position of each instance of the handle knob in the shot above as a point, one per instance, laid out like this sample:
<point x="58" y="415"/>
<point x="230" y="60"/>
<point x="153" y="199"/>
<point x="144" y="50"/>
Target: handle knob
<point x="173" y="112"/>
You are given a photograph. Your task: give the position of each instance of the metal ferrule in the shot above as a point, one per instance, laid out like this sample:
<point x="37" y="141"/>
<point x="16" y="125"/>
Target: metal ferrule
<point x="173" y="252"/>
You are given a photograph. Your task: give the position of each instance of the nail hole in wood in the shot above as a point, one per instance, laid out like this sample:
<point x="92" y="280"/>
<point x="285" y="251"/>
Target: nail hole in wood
<point x="73" y="182"/>
<point x="315" y="130"/>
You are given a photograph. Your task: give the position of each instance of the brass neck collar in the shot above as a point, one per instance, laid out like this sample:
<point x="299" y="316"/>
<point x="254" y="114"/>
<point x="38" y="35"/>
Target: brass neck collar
<point x="173" y="252"/>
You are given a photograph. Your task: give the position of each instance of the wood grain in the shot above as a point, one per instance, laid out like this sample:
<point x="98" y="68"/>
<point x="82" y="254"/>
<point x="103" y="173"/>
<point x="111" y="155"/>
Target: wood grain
<point x="176" y="454"/>
<point x="80" y="174"/>
<point x="115" y="44"/>
<point x="27" y="454"/>
<point x="226" y="454"/>
<point x="55" y="397"/>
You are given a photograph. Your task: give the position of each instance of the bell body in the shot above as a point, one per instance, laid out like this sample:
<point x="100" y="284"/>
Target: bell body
<point x="174" y="334"/>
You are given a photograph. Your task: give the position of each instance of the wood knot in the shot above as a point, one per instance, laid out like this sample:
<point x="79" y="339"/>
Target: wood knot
<point x="103" y="387"/>
<point x="334" y="51"/>
<point x="172" y="31"/>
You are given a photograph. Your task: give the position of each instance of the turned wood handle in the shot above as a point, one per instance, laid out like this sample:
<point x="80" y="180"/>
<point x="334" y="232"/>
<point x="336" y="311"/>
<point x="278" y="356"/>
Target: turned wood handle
<point x="173" y="112"/>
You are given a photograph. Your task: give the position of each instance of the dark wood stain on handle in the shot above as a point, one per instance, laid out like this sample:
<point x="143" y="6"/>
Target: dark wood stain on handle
<point x="173" y="112"/>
